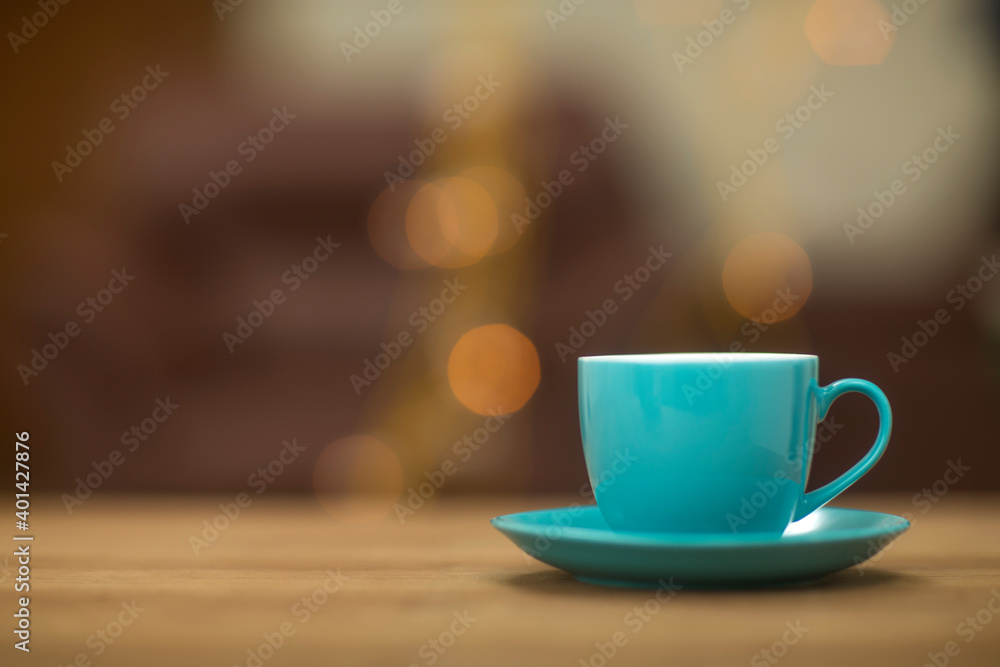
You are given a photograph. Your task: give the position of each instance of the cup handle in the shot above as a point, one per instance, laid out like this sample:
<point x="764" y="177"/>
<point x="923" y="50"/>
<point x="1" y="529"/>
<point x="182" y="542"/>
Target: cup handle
<point x="825" y="396"/>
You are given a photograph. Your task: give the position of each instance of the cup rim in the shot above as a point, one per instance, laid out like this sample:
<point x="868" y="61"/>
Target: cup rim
<point x="663" y="358"/>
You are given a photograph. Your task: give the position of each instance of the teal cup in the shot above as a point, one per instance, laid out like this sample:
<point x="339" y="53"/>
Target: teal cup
<point x="710" y="443"/>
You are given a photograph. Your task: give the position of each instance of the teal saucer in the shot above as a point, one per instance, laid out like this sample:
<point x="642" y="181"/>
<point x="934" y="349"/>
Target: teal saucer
<point x="578" y="540"/>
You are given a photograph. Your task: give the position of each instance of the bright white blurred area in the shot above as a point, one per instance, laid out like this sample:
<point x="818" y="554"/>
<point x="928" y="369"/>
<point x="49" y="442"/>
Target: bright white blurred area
<point x="937" y="71"/>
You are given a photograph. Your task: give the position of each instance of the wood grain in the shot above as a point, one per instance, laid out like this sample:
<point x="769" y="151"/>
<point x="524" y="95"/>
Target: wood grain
<point x="405" y="583"/>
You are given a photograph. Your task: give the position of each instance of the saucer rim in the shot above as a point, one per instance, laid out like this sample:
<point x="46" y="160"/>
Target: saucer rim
<point x="891" y="524"/>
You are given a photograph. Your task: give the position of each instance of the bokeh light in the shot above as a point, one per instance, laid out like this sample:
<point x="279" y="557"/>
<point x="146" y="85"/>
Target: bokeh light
<point x="468" y="217"/>
<point x="848" y="32"/>
<point x="767" y="277"/>
<point x="451" y="222"/>
<point x="508" y="197"/>
<point x="493" y="368"/>
<point x="387" y="226"/>
<point x="358" y="479"/>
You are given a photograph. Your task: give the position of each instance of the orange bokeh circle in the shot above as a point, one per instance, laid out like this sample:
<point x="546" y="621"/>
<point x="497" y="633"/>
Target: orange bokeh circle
<point x="767" y="277"/>
<point x="451" y="222"/>
<point x="493" y="369"/>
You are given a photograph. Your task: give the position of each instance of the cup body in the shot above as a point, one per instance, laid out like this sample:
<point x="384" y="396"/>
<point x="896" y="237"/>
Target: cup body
<point x="698" y="443"/>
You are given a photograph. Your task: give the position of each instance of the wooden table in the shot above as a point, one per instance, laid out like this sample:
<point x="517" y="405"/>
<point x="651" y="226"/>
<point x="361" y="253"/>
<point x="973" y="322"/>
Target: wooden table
<point x="447" y="577"/>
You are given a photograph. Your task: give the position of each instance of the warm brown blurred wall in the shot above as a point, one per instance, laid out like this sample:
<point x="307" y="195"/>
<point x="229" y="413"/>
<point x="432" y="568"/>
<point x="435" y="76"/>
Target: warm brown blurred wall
<point x="154" y="340"/>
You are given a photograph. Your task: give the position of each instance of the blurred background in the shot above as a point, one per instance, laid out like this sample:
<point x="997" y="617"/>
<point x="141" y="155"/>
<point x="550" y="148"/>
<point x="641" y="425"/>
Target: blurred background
<point x="383" y="231"/>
